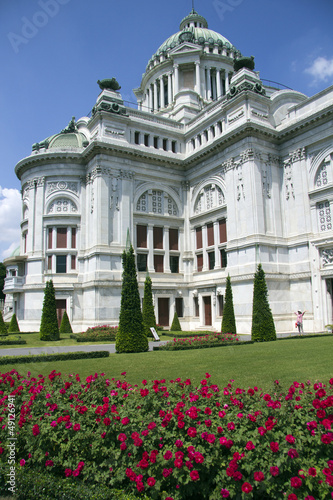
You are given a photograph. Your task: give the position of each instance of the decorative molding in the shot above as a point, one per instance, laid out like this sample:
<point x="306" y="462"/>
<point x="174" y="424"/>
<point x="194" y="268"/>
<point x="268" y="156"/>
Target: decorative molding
<point x="126" y="174"/>
<point x="37" y="181"/>
<point x="62" y="186"/>
<point x="266" y="180"/>
<point x="327" y="257"/>
<point x="288" y="180"/>
<point x="240" y="183"/>
<point x="236" y="116"/>
<point x="246" y="155"/>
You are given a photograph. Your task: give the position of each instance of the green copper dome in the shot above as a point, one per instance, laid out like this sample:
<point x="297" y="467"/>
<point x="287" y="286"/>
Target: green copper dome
<point x="69" y="137"/>
<point x="194" y="29"/>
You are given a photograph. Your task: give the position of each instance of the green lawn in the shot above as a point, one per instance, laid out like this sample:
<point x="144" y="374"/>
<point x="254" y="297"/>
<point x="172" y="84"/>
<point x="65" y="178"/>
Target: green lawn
<point x="33" y="340"/>
<point x="254" y="364"/>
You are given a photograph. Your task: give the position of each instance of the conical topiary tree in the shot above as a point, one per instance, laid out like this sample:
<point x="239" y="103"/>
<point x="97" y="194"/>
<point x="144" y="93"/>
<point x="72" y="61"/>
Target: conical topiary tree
<point x="3" y="328"/>
<point x="263" y="328"/>
<point x="13" y="325"/>
<point x="148" y="313"/>
<point x="49" y="329"/>
<point x="131" y="335"/>
<point x="65" y="326"/>
<point x="175" y="326"/>
<point x="228" y="320"/>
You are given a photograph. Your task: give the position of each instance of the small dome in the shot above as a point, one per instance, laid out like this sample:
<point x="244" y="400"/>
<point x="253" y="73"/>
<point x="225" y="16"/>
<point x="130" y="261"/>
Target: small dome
<point x="16" y="252"/>
<point x="193" y="17"/>
<point x="71" y="140"/>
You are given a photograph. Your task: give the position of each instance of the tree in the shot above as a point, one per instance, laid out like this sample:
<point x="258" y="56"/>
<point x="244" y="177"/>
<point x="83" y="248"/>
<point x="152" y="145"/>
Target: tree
<point x="2" y="280"/>
<point x="13" y="325"/>
<point x="131" y="335"/>
<point x="3" y="328"/>
<point x="175" y="326"/>
<point x="263" y="328"/>
<point x="228" y="320"/>
<point x="148" y="313"/>
<point x="49" y="329"/>
<point x="65" y="326"/>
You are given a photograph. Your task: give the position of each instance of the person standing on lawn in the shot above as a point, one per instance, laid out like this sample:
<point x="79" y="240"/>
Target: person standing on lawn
<point x="299" y="321"/>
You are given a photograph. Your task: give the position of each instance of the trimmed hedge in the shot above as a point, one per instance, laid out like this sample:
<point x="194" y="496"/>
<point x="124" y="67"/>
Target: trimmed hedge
<point x="31" y="485"/>
<point x="184" y="335"/>
<point x="61" y="356"/>
<point x="184" y="348"/>
<point x="12" y="342"/>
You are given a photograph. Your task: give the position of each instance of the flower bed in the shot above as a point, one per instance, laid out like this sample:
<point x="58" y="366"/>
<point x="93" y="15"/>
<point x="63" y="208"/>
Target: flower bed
<point x="97" y="334"/>
<point x="173" y="440"/>
<point x="211" y="340"/>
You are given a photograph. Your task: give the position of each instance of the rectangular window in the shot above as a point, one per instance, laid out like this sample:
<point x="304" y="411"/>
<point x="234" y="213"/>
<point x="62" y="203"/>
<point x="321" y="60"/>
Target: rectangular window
<point x="179" y="307"/>
<point x="146" y="139"/>
<point x="156" y="142"/>
<point x="73" y="262"/>
<point x="61" y="264"/>
<point x="158" y="263"/>
<point x="210" y="235"/>
<point x="49" y="240"/>
<point x="141" y="261"/>
<point x="223" y="230"/>
<point x="62" y="237"/>
<point x="174" y="147"/>
<point x="73" y="237"/>
<point x="49" y="263"/>
<point x="165" y="144"/>
<point x="211" y="260"/>
<point x="158" y="237"/>
<point x="141" y="236"/>
<point x="173" y="239"/>
<point x="137" y="137"/>
<point x="220" y="303"/>
<point x="196" y="306"/>
<point x="198" y="232"/>
<point x="174" y="264"/>
<point x="223" y="258"/>
<point x="199" y="262"/>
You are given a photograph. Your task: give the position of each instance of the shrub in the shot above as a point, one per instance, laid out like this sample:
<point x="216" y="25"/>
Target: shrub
<point x="175" y="326"/>
<point x="131" y="335"/>
<point x="13" y="325"/>
<point x="201" y="342"/>
<point x="228" y="320"/>
<point x="65" y="326"/>
<point x="3" y="328"/>
<point x="60" y="356"/>
<point x="97" y="334"/>
<point x="148" y="313"/>
<point x="49" y="329"/>
<point x="263" y="327"/>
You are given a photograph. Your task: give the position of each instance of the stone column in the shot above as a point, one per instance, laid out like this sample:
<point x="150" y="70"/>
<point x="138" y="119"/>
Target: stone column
<point x="218" y="83"/>
<point x="204" y="248"/>
<point x="169" y="89"/>
<point x="216" y="243"/>
<point x="176" y="79"/>
<point x="197" y="77"/>
<point x="166" y="249"/>
<point x="161" y="92"/>
<point x="209" y="89"/>
<point x="150" y="245"/>
<point x="150" y="98"/>
<point x="155" y="96"/>
<point x="226" y="82"/>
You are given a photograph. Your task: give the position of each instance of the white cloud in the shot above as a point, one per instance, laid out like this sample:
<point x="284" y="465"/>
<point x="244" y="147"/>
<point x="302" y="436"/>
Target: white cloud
<point x="321" y="69"/>
<point x="10" y="217"/>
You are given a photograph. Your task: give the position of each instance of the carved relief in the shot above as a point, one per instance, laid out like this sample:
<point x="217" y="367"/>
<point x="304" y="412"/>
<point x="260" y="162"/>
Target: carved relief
<point x="240" y="183"/>
<point x="288" y="180"/>
<point x="266" y="181"/>
<point x="62" y="206"/>
<point x="92" y="199"/>
<point x="324" y="216"/>
<point x="209" y="197"/>
<point x="62" y="186"/>
<point x="126" y="174"/>
<point x="323" y="176"/>
<point x="327" y="257"/>
<point x="37" y="181"/>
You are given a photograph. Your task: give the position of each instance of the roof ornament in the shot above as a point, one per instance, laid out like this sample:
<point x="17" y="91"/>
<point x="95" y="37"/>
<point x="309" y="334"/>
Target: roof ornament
<point x="71" y="127"/>
<point x="109" y="84"/>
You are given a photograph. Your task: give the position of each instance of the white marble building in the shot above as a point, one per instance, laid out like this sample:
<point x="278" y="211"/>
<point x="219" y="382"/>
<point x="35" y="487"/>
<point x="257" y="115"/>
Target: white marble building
<point x="212" y="174"/>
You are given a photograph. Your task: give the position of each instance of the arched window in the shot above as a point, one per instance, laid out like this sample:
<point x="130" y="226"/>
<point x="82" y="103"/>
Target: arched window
<point x="211" y="196"/>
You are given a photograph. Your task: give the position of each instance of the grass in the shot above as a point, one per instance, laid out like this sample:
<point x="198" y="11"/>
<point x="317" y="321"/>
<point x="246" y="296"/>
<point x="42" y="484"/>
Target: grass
<point x="249" y="365"/>
<point x="33" y="340"/>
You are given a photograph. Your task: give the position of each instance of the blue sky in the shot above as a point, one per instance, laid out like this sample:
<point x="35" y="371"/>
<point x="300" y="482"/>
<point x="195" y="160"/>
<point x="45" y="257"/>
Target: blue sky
<point x="54" y="51"/>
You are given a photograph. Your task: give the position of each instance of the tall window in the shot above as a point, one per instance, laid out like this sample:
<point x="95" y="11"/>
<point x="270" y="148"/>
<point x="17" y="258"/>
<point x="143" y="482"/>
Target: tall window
<point x="179" y="307"/>
<point x="141" y="236"/>
<point x="173" y="239"/>
<point x="158" y="263"/>
<point x="210" y="234"/>
<point x="61" y="250"/>
<point x="199" y="237"/>
<point x="199" y="262"/>
<point x="158" y="237"/>
<point x="62" y="237"/>
<point x="223" y="230"/>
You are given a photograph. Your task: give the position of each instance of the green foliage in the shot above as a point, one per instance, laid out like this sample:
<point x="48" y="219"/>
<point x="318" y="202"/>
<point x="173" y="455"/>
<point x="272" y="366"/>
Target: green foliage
<point x="96" y="334"/>
<point x="65" y="326"/>
<point x="13" y="325"/>
<point x="175" y="326"/>
<point x="49" y="329"/>
<point x="60" y="356"/>
<point x="263" y="327"/>
<point x="3" y="328"/>
<point x="148" y="313"/>
<point x="228" y="320"/>
<point x="131" y="335"/>
<point x="2" y="280"/>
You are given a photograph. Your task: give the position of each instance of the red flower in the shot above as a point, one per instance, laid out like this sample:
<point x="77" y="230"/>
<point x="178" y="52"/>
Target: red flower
<point x="292" y="496"/>
<point x="225" y="493"/>
<point x="178" y="463"/>
<point x="274" y="471"/>
<point x="35" y="430"/>
<point x="178" y="443"/>
<point x="68" y="472"/>
<point x="274" y="447"/>
<point x="107" y="421"/>
<point x="327" y="438"/>
<point x="290" y="439"/>
<point x="151" y="481"/>
<point x="125" y="421"/>
<point x="192" y="431"/>
<point x="296" y="482"/>
<point x="259" y="476"/>
<point x="262" y="431"/>
<point x="246" y="488"/>
<point x="312" y="471"/>
<point x="292" y="453"/>
<point x="249" y="445"/>
<point x="194" y="475"/>
<point x="76" y="427"/>
<point x="167" y="455"/>
<point x="166" y="472"/>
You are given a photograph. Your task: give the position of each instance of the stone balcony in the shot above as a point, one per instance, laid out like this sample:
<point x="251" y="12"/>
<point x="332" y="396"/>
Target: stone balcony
<point x="14" y="284"/>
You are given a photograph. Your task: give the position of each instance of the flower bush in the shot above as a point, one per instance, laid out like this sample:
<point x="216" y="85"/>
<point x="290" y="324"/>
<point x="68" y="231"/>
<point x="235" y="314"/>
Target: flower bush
<point x="196" y="342"/>
<point x="173" y="440"/>
<point x="97" y="333"/>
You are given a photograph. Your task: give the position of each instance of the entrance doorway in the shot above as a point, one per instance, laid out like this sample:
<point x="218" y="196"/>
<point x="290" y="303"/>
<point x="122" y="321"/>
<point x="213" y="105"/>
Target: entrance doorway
<point x="61" y="308"/>
<point x="163" y="311"/>
<point x="208" y="310"/>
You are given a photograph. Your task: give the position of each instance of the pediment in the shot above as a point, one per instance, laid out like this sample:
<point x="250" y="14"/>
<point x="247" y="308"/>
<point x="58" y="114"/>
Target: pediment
<point x="187" y="48"/>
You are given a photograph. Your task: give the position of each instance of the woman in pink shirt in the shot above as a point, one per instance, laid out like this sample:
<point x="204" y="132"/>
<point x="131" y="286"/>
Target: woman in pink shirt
<point x="299" y="321"/>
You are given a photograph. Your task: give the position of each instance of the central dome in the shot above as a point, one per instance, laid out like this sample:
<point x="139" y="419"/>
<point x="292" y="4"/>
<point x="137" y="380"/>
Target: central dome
<point x="194" y="28"/>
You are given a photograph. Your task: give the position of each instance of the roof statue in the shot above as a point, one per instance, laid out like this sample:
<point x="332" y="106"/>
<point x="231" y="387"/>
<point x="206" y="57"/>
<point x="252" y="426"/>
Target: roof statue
<point x="70" y="127"/>
<point x="109" y="84"/>
<point x="244" y="62"/>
